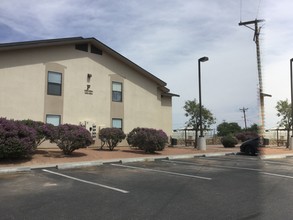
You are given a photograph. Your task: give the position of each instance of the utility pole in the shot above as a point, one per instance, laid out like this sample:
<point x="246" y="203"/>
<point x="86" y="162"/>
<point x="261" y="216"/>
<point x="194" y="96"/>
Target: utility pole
<point x="244" y="110"/>
<point x="256" y="30"/>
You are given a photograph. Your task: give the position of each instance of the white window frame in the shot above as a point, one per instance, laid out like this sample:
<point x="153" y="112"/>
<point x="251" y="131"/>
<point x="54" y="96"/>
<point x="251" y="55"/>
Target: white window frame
<point x="54" y="79"/>
<point x="117" y="123"/>
<point x="117" y="92"/>
<point x="53" y="119"/>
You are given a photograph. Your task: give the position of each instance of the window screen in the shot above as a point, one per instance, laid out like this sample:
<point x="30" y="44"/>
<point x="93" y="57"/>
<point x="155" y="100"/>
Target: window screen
<point x="54" y="83"/>
<point x="116" y="92"/>
<point x="117" y="123"/>
<point x="53" y="119"/>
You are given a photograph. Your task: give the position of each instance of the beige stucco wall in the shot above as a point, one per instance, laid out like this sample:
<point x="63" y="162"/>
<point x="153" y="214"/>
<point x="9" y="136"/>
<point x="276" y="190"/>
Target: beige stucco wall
<point x="166" y="115"/>
<point x="23" y="89"/>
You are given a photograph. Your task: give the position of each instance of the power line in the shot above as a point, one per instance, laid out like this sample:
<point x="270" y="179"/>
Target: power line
<point x="258" y="9"/>
<point x="240" y="10"/>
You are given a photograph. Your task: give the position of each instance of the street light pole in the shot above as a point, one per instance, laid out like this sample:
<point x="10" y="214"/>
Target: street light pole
<point x="291" y="79"/>
<point x="201" y="145"/>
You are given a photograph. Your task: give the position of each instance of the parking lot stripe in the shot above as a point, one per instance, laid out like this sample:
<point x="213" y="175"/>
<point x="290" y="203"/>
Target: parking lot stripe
<point x="217" y="166"/>
<point x="279" y="163"/>
<point x="229" y="167"/>
<point x="162" y="171"/>
<point x="278" y="175"/>
<point x="85" y="181"/>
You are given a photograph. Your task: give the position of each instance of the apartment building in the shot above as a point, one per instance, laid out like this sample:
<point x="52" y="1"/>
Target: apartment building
<point x="80" y="81"/>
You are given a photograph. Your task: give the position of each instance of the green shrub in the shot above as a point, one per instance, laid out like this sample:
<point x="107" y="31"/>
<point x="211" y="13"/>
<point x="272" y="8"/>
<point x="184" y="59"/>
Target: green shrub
<point x="229" y="141"/>
<point x="16" y="139"/>
<point x="147" y="139"/>
<point x="71" y="137"/>
<point x="111" y="137"/>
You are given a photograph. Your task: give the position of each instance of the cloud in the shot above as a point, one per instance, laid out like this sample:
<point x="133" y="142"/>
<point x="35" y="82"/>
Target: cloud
<point x="167" y="37"/>
<point x="277" y="48"/>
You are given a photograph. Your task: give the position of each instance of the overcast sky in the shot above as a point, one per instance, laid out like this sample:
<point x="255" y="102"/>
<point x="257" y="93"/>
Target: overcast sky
<point x="167" y="37"/>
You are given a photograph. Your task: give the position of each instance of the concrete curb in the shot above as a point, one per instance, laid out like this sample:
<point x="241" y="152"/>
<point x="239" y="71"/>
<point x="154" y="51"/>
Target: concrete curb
<point x="217" y="154"/>
<point x="275" y="156"/>
<point x="14" y="169"/>
<point x="75" y="165"/>
<point x="85" y="164"/>
<point x="78" y="165"/>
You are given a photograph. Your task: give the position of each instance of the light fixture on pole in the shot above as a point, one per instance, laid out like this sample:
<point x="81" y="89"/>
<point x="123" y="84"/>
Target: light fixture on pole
<point x="291" y="79"/>
<point x="201" y="144"/>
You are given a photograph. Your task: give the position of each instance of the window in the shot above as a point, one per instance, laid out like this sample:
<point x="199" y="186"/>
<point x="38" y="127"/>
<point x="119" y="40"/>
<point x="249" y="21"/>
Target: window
<point x="117" y="123"/>
<point x="53" y="119"/>
<point x="116" y="92"/>
<point x="54" y="83"/>
<point x="96" y="50"/>
<point x="82" y="47"/>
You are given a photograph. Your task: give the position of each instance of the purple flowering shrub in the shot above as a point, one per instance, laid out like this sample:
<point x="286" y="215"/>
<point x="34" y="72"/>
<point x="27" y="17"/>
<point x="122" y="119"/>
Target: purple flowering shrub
<point x="246" y="135"/>
<point x="111" y="137"/>
<point x="43" y="131"/>
<point x="16" y="139"/>
<point x="71" y="137"/>
<point x="147" y="139"/>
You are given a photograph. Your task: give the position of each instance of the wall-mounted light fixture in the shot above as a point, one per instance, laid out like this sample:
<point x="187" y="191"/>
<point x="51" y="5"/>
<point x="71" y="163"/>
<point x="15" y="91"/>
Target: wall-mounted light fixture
<point x="89" y="76"/>
<point x="88" y="86"/>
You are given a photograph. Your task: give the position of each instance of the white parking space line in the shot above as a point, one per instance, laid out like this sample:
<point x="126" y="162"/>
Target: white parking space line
<point x="229" y="167"/>
<point x="162" y="171"/>
<point x="230" y="158"/>
<point x="85" y="181"/>
<point x="278" y="175"/>
<point x="276" y="162"/>
<point x="217" y="166"/>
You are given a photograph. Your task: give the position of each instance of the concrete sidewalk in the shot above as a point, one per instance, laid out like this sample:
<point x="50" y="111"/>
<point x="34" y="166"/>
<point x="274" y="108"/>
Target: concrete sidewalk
<point x="53" y="157"/>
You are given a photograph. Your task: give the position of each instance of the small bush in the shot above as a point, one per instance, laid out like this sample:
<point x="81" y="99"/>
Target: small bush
<point x="246" y="135"/>
<point x="229" y="141"/>
<point x="43" y="131"/>
<point x="147" y="139"/>
<point x="111" y="137"/>
<point x="71" y="137"/>
<point x="16" y="140"/>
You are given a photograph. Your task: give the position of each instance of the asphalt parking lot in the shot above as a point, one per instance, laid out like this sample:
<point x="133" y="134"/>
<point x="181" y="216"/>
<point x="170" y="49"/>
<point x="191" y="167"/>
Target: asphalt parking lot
<point x="227" y="187"/>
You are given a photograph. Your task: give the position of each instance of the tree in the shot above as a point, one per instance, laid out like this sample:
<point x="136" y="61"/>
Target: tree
<point x="226" y="128"/>
<point x="284" y="111"/>
<point x="253" y="128"/>
<point x="192" y="111"/>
